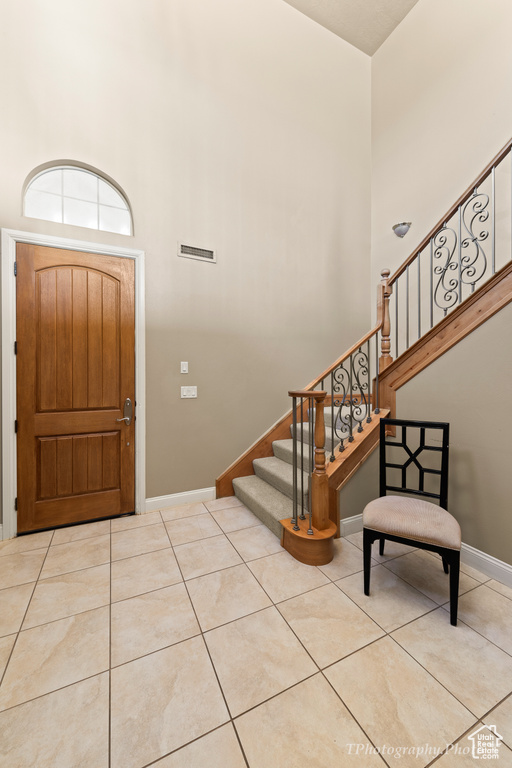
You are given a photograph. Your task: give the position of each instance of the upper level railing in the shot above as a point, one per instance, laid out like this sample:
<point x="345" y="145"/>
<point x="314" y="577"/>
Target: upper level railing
<point x="469" y="245"/>
<point x="464" y="250"/>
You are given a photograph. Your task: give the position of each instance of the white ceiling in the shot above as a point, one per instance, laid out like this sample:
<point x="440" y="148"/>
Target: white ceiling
<point x="362" y="23"/>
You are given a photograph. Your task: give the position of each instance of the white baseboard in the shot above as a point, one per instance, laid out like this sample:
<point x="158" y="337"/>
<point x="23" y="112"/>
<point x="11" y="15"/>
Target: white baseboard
<point x="1" y="532"/>
<point x="177" y="499"/>
<point x="351" y="525"/>
<point x="491" y="566"/>
<point x="487" y="564"/>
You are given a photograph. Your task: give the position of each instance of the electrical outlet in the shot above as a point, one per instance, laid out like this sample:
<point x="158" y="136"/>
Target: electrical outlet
<point x="184" y="368"/>
<point x="189" y="392"/>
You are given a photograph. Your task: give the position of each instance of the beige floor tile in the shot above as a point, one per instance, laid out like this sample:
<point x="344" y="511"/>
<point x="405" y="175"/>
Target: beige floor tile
<point x="225" y="503"/>
<point x="192" y="529"/>
<point x="460" y="754"/>
<point x="490" y="614"/>
<point x="163" y="701"/>
<point x="150" y="622"/>
<point x="21" y="568"/>
<point x="328" y="624"/>
<point x="54" y="655"/>
<point x="503" y="589"/>
<point x="306" y="725"/>
<point x="235" y="518"/>
<point x="25" y="543"/>
<point x="380" y="686"/>
<point x="184" y="510"/>
<point x="65" y="729"/>
<point x="391" y="602"/>
<point x="474" y="573"/>
<point x="78" y="532"/>
<point x="225" y="596"/>
<point x="219" y="749"/>
<point x="134" y="521"/>
<point x="449" y="653"/>
<point x="144" y="573"/>
<point x="255" y="542"/>
<point x="76" y="555"/>
<point x="6" y="646"/>
<point x="392" y="549"/>
<point x="501" y="717"/>
<point x="347" y="559"/>
<point x="139" y="541"/>
<point x="13" y="604"/>
<point x="281" y="576"/>
<point x="257" y="657"/>
<point x="206" y="556"/>
<point x="426" y="574"/>
<point x="68" y="594"/>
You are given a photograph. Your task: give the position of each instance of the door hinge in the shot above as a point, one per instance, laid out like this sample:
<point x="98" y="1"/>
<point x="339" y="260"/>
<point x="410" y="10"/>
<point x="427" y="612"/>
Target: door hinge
<point x="16" y="504"/>
<point x="16" y="425"/>
<point x="15" y="269"/>
<point x="15" y="347"/>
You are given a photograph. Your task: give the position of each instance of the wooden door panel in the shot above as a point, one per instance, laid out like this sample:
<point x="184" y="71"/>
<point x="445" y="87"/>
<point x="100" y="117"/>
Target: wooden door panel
<point x="75" y="368"/>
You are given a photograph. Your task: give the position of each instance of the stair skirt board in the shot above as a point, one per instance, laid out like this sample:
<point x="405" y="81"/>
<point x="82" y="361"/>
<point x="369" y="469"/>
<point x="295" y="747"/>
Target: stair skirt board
<point x="487" y="564"/>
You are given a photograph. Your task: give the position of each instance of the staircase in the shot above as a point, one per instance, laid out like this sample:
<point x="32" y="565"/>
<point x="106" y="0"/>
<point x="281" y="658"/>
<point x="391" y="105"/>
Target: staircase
<point x="458" y="277"/>
<point x="269" y="492"/>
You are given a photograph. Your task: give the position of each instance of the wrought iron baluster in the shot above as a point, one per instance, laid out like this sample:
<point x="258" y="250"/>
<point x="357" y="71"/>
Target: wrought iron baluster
<point x="493" y="214"/>
<point x="295" y="437"/>
<point x="460" y="254"/>
<point x="431" y="282"/>
<point x="376" y="409"/>
<point x="311" y="417"/>
<point x="302" y="515"/>
<point x="351" y="403"/>
<point x="332" y="416"/>
<point x="396" y="320"/>
<point x="407" y="307"/>
<point x="369" y="385"/>
<point x="419" y="294"/>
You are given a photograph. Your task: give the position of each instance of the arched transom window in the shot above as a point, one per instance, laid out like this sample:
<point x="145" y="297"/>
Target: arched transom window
<point x="71" y="195"/>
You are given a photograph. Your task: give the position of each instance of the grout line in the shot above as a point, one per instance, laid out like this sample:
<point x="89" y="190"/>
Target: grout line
<point x="110" y="657"/>
<point x="2" y="676"/>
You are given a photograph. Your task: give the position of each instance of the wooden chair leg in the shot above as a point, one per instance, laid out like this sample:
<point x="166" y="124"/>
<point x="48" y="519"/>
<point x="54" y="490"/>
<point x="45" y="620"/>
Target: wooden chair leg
<point x="445" y="565"/>
<point x="381" y="546"/>
<point x="367" y="558"/>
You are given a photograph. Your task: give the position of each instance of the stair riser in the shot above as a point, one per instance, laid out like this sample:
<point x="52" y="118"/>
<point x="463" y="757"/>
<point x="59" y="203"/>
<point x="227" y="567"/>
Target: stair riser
<point x="284" y="485"/>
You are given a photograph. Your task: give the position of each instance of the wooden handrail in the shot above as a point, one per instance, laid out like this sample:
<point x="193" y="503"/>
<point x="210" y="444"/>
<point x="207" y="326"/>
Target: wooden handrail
<point x="462" y="199"/>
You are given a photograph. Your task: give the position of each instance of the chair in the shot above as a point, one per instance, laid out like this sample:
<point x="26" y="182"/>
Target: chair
<point x="409" y="520"/>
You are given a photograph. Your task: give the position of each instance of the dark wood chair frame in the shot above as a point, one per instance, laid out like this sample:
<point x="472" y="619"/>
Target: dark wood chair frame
<point x="450" y="557"/>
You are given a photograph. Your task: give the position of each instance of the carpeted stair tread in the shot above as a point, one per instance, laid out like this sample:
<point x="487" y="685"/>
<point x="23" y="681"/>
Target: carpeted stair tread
<point x="279" y="474"/>
<point x="265" y="501"/>
<point x="283" y="449"/>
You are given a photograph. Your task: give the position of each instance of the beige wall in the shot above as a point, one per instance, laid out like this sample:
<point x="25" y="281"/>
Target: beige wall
<point x="440" y="111"/>
<point x="471" y="388"/>
<point x="240" y="126"/>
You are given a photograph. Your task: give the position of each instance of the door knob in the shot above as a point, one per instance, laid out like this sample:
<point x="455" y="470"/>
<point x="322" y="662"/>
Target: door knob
<point x="127" y="412"/>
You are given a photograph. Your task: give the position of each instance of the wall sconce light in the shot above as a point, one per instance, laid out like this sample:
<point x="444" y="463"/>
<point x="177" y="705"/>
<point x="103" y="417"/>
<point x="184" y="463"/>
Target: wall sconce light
<point x="402" y="229"/>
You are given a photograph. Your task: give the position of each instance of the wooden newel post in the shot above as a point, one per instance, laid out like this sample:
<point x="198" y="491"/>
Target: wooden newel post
<point x="385" y="291"/>
<point x="319" y="479"/>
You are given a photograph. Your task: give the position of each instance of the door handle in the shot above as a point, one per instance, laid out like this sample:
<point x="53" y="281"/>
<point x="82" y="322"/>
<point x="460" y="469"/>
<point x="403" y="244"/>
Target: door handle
<point x="127" y="411"/>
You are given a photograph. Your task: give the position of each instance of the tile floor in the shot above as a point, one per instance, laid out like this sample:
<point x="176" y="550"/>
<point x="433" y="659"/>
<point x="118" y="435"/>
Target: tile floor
<point x="187" y="638"/>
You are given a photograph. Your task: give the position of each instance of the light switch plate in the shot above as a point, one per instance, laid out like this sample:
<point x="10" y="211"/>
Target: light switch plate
<point x="184" y="368"/>
<point x="189" y="392"/>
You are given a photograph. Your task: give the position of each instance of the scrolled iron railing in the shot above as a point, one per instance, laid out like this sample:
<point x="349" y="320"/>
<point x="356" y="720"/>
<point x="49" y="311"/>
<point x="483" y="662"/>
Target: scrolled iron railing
<point x="461" y="253"/>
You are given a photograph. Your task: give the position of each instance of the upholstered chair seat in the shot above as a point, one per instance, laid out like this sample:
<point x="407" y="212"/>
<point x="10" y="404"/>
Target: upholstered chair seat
<point x="413" y="519"/>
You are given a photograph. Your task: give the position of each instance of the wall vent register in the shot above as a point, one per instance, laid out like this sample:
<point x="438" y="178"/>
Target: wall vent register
<point x="191" y="252"/>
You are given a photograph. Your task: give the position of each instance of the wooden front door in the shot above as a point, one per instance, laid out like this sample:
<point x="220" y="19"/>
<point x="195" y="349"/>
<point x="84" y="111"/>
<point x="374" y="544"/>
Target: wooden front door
<point x="75" y="316"/>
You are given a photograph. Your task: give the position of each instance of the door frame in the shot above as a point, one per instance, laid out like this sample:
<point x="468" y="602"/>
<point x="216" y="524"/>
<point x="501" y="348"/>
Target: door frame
<point x="9" y="240"/>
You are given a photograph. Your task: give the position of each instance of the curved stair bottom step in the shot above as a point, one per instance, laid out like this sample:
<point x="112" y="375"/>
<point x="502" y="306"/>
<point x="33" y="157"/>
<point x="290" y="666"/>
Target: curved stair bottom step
<point x="271" y="507"/>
